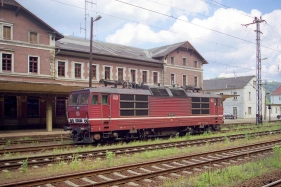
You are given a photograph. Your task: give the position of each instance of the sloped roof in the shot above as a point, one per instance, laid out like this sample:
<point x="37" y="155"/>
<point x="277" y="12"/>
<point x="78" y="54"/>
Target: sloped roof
<point x="165" y="50"/>
<point x="277" y="92"/>
<point x="227" y="83"/>
<point x="19" y="7"/>
<point x="104" y="48"/>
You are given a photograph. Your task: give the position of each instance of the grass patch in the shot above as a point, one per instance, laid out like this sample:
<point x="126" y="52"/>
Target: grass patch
<point x="75" y="164"/>
<point x="232" y="175"/>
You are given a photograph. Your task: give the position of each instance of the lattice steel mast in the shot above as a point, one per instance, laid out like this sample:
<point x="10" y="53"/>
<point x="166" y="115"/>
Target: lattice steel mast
<point x="258" y="71"/>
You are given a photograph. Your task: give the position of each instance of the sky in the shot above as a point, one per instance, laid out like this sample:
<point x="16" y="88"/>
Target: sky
<point x="214" y="27"/>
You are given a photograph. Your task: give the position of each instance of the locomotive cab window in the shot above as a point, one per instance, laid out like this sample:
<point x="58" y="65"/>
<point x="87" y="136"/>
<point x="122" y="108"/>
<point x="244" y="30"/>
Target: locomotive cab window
<point x="73" y="99"/>
<point x="84" y="98"/>
<point x="105" y="99"/>
<point x="78" y="98"/>
<point x="95" y="100"/>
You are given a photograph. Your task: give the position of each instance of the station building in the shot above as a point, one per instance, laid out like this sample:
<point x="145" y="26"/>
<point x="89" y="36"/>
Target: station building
<point x="40" y="66"/>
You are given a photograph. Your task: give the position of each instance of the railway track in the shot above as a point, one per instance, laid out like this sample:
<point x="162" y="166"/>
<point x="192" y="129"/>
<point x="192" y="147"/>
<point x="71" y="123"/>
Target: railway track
<point x="37" y="161"/>
<point x="274" y="184"/>
<point x="19" y="140"/>
<point x="30" y="140"/>
<point x="148" y="173"/>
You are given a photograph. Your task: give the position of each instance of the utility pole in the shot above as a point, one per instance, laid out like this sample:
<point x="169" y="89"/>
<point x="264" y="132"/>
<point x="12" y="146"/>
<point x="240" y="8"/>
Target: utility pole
<point x="257" y="21"/>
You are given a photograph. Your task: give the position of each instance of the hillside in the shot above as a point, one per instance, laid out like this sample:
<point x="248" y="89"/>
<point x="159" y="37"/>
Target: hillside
<point x="271" y="87"/>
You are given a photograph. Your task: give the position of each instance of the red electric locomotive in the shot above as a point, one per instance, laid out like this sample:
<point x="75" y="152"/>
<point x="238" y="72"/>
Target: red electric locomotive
<point x="104" y="113"/>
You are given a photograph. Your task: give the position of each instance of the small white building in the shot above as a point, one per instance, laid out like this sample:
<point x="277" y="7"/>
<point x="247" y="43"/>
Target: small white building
<point x="243" y="103"/>
<point x="275" y="105"/>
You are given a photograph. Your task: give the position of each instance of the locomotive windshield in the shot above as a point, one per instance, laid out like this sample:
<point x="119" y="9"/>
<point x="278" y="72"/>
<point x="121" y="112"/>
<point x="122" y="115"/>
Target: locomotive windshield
<point x="78" y="98"/>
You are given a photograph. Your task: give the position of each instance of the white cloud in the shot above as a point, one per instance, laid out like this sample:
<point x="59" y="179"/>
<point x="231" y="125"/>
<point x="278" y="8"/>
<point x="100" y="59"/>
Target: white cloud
<point x="228" y="43"/>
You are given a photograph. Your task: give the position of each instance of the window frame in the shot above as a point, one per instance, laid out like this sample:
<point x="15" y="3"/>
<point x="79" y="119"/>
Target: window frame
<point x="184" y="61"/>
<point x="64" y="67"/>
<point x="195" y="64"/>
<point x="155" y="77"/>
<point x="11" y="31"/>
<point x="144" y="76"/>
<point x="29" y="37"/>
<point x="195" y="81"/>
<point x="133" y="73"/>
<point x="172" y="62"/>
<point x="38" y="64"/>
<point x="184" y="80"/>
<point x="94" y="71"/>
<point x="120" y="74"/>
<point x="172" y="78"/>
<point x="12" y="62"/>
<point x="107" y="71"/>
<point x="60" y="107"/>
<point x="77" y="75"/>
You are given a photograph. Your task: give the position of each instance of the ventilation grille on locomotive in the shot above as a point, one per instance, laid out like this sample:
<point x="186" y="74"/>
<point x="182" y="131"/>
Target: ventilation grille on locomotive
<point x="178" y="93"/>
<point x="159" y="92"/>
<point x="133" y="105"/>
<point x="200" y="105"/>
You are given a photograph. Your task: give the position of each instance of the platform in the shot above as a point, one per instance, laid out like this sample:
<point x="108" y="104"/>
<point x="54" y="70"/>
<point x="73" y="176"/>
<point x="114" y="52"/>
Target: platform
<point x="42" y="132"/>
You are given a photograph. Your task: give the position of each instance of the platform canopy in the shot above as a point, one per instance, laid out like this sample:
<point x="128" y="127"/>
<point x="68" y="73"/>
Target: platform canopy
<point x="26" y="88"/>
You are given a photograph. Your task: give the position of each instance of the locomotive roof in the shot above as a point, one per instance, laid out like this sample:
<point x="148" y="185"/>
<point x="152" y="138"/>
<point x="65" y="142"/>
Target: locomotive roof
<point x="154" y="91"/>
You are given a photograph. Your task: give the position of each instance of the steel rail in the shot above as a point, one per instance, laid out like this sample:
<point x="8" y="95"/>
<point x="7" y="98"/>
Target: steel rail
<point x="16" y="163"/>
<point x="274" y="184"/>
<point x="228" y="154"/>
<point x="49" y="147"/>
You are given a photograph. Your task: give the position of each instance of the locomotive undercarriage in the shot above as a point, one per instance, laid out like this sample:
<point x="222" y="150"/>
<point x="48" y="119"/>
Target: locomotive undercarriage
<point x="83" y="135"/>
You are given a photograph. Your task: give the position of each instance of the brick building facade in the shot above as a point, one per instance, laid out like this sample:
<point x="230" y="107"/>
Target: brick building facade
<point x="39" y="67"/>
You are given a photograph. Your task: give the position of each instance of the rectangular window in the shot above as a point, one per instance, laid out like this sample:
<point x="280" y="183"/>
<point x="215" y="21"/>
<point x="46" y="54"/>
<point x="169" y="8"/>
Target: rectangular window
<point x="77" y="70"/>
<point x="249" y="110"/>
<point x="107" y="73"/>
<point x="104" y="99"/>
<point x="235" y="97"/>
<point x="61" y="68"/>
<point x="172" y="79"/>
<point x="32" y="107"/>
<point x="33" y="64"/>
<point x="144" y="76"/>
<point x="6" y="62"/>
<point x="195" y="64"/>
<point x="10" y="107"/>
<point x="184" y="80"/>
<point x="120" y="74"/>
<point x="133" y="75"/>
<point x="33" y="37"/>
<point x="155" y="77"/>
<point x="249" y="96"/>
<point x="60" y="107"/>
<point x="184" y="61"/>
<point x="172" y="60"/>
<point x="195" y="81"/>
<point x="95" y="100"/>
<point x="7" y="32"/>
<point x="94" y="72"/>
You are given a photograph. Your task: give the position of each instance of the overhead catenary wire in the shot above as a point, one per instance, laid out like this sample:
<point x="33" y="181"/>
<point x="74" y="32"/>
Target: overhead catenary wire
<point x="194" y="24"/>
<point x="165" y="29"/>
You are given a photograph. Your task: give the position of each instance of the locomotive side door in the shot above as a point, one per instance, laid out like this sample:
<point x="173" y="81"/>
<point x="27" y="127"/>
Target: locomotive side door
<point x="105" y="106"/>
<point x="217" y="104"/>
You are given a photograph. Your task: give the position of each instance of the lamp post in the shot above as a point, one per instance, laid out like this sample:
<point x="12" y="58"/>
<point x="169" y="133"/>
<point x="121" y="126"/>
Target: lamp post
<point x="91" y="50"/>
